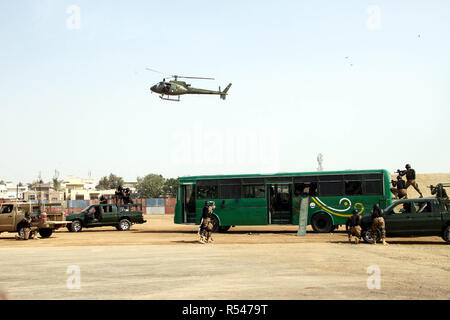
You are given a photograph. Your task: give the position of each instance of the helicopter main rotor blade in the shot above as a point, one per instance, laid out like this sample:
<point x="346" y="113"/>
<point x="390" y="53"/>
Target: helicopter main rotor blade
<point x="166" y="74"/>
<point x="201" y="78"/>
<point x="176" y="76"/>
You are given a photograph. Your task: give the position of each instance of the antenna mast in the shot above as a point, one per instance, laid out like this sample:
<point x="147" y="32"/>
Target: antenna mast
<point x="320" y="161"/>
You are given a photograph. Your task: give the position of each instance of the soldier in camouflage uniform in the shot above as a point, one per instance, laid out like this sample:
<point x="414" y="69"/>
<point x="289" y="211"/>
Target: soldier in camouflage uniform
<point x="201" y="232"/>
<point x="410" y="178"/>
<point x="440" y="193"/>
<point x="378" y="223"/>
<point x="206" y="225"/>
<point x="353" y="227"/>
<point x="399" y="188"/>
<point x="27" y="228"/>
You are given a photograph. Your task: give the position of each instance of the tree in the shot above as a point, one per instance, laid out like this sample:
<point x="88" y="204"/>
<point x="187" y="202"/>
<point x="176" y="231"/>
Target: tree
<point x="150" y="186"/>
<point x="171" y="187"/>
<point x="56" y="184"/>
<point x="110" y="182"/>
<point x="35" y="183"/>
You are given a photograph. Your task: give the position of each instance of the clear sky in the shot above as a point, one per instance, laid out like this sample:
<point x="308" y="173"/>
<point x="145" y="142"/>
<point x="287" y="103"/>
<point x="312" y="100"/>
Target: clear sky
<point x="365" y="83"/>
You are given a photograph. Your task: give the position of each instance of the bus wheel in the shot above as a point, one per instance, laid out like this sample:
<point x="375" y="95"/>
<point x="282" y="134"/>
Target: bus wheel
<point x="321" y="222"/>
<point x="224" y="228"/>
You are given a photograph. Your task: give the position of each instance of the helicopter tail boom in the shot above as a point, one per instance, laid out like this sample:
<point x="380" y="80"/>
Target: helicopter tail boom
<point x="223" y="94"/>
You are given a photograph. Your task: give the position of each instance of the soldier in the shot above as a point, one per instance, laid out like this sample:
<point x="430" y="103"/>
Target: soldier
<point x="410" y="178"/>
<point x="127" y="196"/>
<point x="103" y="200"/>
<point x="118" y="193"/>
<point x="204" y="216"/>
<point x="440" y="193"/>
<point x="354" y="223"/>
<point x="206" y="225"/>
<point x="378" y="222"/>
<point x="27" y="228"/>
<point x="399" y="188"/>
<point x="209" y="227"/>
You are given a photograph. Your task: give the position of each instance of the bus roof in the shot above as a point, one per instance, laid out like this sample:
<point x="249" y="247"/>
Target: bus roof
<point x="283" y="174"/>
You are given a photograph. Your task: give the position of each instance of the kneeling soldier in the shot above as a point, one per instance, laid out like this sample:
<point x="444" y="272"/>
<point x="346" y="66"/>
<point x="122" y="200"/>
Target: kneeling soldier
<point x="399" y="188"/>
<point x="27" y="228"/>
<point x="353" y="227"/>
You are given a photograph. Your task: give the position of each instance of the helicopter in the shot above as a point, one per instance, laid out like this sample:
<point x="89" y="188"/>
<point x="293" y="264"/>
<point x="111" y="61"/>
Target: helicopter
<point x="166" y="89"/>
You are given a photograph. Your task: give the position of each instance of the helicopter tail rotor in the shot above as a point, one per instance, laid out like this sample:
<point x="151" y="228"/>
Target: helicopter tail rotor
<point x="223" y="93"/>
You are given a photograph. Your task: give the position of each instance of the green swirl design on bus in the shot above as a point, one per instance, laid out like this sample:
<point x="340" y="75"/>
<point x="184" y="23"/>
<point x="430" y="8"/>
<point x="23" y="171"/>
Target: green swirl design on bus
<point x="339" y="212"/>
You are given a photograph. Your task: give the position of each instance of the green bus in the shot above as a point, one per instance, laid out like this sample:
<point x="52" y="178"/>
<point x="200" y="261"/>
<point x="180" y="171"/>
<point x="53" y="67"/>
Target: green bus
<point x="274" y="199"/>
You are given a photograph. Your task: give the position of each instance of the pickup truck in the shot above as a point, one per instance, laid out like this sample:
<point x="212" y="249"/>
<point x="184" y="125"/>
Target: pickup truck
<point x="121" y="216"/>
<point x="46" y="217"/>
<point x="413" y="218"/>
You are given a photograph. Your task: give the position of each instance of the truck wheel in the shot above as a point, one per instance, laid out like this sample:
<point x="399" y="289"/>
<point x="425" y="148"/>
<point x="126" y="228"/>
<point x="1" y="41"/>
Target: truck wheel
<point x="76" y="226"/>
<point x="368" y="236"/>
<point x="224" y="228"/>
<point x="21" y="232"/>
<point x="45" y="233"/>
<point x="446" y="234"/>
<point x="321" y="222"/>
<point x="124" y="225"/>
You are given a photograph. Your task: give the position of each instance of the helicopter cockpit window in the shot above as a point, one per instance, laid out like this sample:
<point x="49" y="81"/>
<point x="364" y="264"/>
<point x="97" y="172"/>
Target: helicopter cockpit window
<point x="167" y="87"/>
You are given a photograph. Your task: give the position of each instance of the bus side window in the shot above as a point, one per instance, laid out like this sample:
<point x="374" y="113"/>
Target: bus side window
<point x="305" y="189"/>
<point x="313" y="190"/>
<point x="207" y="192"/>
<point x="353" y="188"/>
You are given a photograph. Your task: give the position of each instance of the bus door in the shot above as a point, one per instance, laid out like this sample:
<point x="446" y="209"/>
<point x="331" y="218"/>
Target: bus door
<point x="188" y="203"/>
<point x="279" y="203"/>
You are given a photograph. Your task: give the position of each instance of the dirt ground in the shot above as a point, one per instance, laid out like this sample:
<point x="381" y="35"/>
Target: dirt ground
<point x="161" y="260"/>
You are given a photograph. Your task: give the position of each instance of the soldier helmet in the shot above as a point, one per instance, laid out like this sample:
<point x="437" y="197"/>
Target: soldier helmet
<point x="408" y="166"/>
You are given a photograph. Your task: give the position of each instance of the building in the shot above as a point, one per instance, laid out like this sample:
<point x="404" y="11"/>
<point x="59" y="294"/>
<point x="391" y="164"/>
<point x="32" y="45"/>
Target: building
<point x="76" y="188"/>
<point x="43" y="191"/>
<point x="9" y="191"/>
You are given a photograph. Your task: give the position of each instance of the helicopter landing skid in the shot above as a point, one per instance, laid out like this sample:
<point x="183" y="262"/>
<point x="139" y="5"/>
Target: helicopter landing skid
<point x="168" y="98"/>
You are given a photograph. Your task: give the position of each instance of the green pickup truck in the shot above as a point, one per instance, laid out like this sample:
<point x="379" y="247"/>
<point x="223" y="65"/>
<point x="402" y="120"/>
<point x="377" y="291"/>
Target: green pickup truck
<point x="413" y="218"/>
<point x="121" y="216"/>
